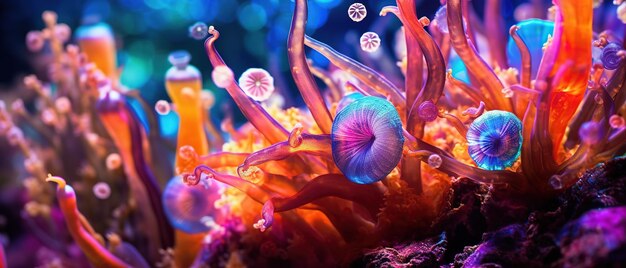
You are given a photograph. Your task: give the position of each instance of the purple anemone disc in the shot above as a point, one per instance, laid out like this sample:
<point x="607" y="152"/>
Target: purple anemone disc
<point x="367" y="139"/>
<point x="610" y="59"/>
<point x="187" y="207"/>
<point x="495" y="140"/>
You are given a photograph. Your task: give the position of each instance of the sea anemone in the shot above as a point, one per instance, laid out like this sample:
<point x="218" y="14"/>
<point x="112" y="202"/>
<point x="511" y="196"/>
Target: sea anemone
<point x="320" y="184"/>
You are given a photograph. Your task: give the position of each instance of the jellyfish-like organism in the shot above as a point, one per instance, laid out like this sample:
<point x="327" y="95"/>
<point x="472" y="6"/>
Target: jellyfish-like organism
<point x="495" y="140"/>
<point x="357" y="12"/>
<point x="188" y="207"/>
<point x="257" y="83"/>
<point x="610" y="57"/>
<point x="370" y="42"/>
<point x="367" y="139"/>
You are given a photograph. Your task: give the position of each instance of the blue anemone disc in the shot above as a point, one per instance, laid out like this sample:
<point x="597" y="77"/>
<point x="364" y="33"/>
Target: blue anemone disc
<point x="534" y="33"/>
<point x="495" y="140"/>
<point x="188" y="207"/>
<point x="610" y="58"/>
<point x="347" y="99"/>
<point x="367" y="139"/>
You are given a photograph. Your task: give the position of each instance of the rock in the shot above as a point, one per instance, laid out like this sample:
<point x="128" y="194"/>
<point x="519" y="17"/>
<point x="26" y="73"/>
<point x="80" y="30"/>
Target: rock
<point x="596" y="239"/>
<point x="425" y="253"/>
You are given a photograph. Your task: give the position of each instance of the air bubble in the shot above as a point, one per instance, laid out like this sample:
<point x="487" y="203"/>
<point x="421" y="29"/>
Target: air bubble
<point x="434" y="160"/>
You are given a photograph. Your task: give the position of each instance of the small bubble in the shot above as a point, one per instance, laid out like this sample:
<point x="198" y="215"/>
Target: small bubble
<point x="101" y="190"/>
<point x="17" y="106"/>
<point x="48" y="117"/>
<point x="62" y="32"/>
<point x="14" y="136"/>
<point x="370" y="42"/>
<point x="222" y="76"/>
<point x="187" y="152"/>
<point x="523" y="12"/>
<point x="198" y="31"/>
<point x="555" y="182"/>
<point x="434" y="160"/>
<point x="427" y="111"/>
<point x="113" y="161"/>
<point x="590" y="132"/>
<point x="63" y="104"/>
<point x="34" y="41"/>
<point x="616" y="121"/>
<point x="162" y="107"/>
<point x="357" y="12"/>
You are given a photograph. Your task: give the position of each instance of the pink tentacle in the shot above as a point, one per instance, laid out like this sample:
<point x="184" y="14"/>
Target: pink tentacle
<point x="256" y="114"/>
<point x="300" y="69"/>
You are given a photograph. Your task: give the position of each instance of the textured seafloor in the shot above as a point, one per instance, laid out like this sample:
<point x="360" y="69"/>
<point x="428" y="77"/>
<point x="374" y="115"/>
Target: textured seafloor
<point x="585" y="226"/>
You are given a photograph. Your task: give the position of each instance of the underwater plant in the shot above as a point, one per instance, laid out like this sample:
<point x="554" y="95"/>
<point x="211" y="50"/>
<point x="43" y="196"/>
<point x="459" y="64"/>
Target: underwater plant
<point x="369" y="162"/>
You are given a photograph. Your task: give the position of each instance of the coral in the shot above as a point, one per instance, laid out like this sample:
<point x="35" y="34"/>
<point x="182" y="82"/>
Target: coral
<point x="500" y="168"/>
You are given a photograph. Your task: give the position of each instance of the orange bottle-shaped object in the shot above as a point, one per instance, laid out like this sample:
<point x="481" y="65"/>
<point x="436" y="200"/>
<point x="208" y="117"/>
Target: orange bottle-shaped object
<point x="97" y="42"/>
<point x="183" y="83"/>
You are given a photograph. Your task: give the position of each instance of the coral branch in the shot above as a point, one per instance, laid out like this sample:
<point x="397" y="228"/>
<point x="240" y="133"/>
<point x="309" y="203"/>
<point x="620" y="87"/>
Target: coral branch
<point x="476" y="65"/>
<point x="250" y="189"/>
<point x="256" y="114"/>
<point x="367" y="195"/>
<point x="300" y="69"/>
<point x="310" y="144"/>
<point x="360" y="71"/>
<point x="127" y="135"/>
<point x="223" y="159"/>
<point x="525" y="72"/>
<point x="98" y="256"/>
<point x="495" y="33"/>
<point x="335" y="91"/>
